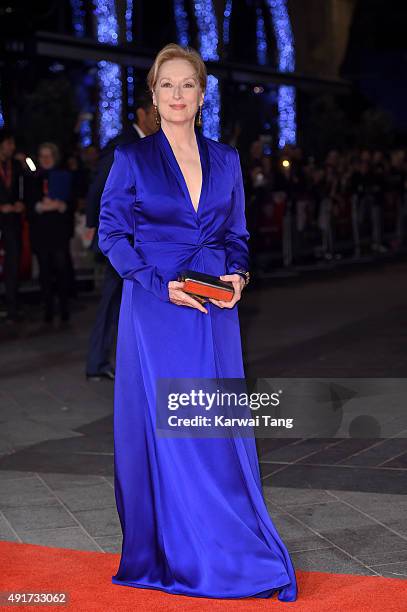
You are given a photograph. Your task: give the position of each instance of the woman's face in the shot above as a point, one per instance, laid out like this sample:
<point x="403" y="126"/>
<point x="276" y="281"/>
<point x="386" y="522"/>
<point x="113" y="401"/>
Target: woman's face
<point x="46" y="158"/>
<point x="177" y="92"/>
<point x="7" y="148"/>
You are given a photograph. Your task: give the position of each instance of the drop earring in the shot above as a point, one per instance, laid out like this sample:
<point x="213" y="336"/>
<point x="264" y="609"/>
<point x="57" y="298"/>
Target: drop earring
<point x="157" y="116"/>
<point x="199" y="120"/>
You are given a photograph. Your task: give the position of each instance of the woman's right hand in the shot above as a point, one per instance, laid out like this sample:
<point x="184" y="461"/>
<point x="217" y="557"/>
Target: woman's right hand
<point x="180" y="298"/>
<point x="48" y="205"/>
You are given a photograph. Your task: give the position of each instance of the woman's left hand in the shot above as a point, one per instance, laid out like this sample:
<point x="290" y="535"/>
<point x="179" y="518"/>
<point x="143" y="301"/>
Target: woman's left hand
<point x="238" y="284"/>
<point x="61" y="206"/>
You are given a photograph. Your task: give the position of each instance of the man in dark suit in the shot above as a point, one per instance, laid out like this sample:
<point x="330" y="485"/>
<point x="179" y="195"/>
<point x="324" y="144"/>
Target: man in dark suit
<point x="11" y="209"/>
<point x="102" y="336"/>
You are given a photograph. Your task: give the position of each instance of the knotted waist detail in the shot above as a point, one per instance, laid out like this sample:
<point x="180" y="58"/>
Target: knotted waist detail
<point x="172" y="257"/>
<point x="210" y="244"/>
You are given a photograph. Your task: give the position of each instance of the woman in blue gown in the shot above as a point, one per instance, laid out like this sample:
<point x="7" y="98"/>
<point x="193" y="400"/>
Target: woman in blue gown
<point x="192" y="512"/>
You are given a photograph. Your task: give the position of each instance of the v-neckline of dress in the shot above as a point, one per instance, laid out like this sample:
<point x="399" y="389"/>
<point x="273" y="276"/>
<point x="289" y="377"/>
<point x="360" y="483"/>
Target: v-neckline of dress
<point x="203" y="156"/>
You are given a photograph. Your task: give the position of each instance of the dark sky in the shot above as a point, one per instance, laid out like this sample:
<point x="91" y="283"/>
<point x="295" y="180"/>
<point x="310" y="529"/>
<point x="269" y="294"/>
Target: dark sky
<point x="376" y="58"/>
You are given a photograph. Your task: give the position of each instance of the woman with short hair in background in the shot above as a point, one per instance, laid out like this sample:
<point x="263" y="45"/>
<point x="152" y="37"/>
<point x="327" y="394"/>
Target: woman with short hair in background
<point x="50" y="217"/>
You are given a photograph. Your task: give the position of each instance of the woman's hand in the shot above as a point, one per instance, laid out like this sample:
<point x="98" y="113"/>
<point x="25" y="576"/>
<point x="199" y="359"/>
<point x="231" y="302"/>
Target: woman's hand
<point x="60" y="205"/>
<point x="19" y="207"/>
<point x="48" y="205"/>
<point x="180" y="298"/>
<point x="6" y="208"/>
<point x="238" y="284"/>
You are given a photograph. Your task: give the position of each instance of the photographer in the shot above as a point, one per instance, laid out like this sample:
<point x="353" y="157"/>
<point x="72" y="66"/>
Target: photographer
<point x="11" y="209"/>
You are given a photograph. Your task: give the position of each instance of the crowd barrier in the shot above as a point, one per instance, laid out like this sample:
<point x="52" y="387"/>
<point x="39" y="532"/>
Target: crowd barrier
<point x="290" y="231"/>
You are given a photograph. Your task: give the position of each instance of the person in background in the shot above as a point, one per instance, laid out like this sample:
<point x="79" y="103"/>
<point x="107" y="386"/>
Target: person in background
<point x="90" y="160"/>
<point x="11" y="209"/>
<point x="50" y="218"/>
<point x="102" y="336"/>
<point x="83" y="164"/>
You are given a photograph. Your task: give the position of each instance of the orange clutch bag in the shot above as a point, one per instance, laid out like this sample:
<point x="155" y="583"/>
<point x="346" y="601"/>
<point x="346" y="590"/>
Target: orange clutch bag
<point x="201" y="285"/>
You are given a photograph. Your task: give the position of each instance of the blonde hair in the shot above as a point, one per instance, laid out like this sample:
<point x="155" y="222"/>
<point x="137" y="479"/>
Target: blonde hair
<point x="174" y="51"/>
<point x="51" y="146"/>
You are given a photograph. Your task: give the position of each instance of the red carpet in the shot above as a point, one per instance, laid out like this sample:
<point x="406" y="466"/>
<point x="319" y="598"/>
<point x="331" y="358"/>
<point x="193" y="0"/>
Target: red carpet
<point x="86" y="576"/>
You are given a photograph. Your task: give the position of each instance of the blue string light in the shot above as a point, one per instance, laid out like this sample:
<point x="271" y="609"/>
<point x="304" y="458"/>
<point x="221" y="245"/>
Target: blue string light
<point x="130" y="69"/>
<point x="110" y="101"/>
<point x="78" y="18"/>
<point x="226" y="21"/>
<point x="129" y="20"/>
<point x="85" y="133"/>
<point x="107" y="26"/>
<point x="210" y="109"/>
<point x="261" y="38"/>
<point x="207" y="29"/>
<point x="284" y="35"/>
<point x="286" y="101"/>
<point x="78" y="22"/>
<point x="181" y="22"/>
<point x="109" y="73"/>
<point x="130" y="92"/>
<point x="208" y="47"/>
<point x="286" y="115"/>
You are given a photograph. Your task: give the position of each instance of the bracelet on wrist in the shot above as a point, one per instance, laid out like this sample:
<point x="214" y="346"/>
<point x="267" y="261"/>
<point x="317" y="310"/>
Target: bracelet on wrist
<point x="244" y="274"/>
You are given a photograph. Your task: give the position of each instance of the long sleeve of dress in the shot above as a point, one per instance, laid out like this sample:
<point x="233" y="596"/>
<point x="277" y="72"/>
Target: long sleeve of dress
<point x="116" y="228"/>
<point x="236" y="234"/>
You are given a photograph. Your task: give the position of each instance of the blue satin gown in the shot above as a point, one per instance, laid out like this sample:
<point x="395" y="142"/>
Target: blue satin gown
<point x="192" y="511"/>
